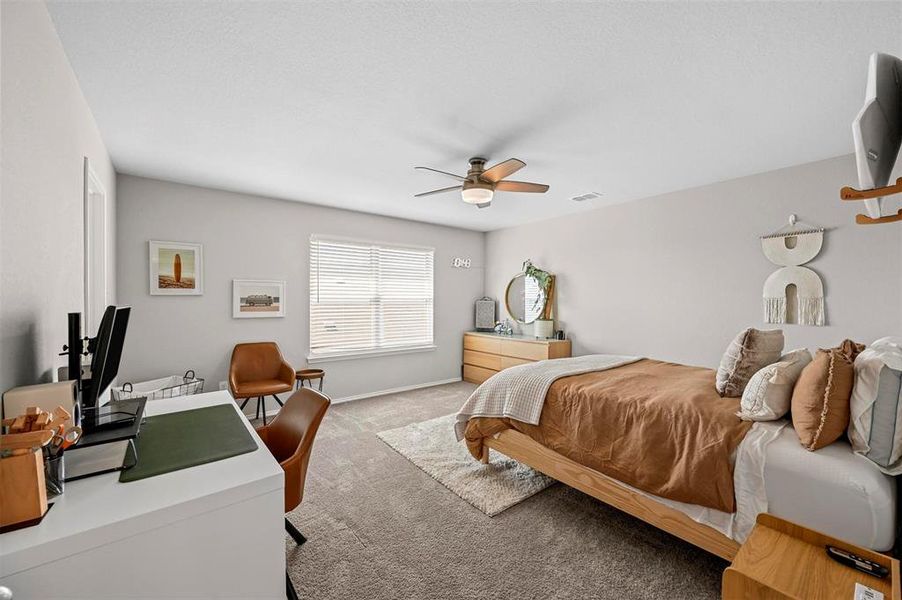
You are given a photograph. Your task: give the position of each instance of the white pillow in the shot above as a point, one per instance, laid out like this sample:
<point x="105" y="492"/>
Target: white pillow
<point x="876" y="405"/>
<point x="769" y="392"/>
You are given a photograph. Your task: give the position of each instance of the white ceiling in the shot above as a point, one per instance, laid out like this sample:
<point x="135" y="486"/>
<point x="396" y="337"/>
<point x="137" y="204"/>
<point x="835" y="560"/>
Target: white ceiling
<point x="335" y="103"/>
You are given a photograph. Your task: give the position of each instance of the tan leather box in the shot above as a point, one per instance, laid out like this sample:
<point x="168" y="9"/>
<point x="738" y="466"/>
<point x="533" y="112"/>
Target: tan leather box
<point x="44" y="395"/>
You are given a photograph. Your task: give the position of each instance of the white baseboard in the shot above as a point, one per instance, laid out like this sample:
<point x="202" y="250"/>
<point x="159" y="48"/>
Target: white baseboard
<point x="406" y="388"/>
<point x="397" y="390"/>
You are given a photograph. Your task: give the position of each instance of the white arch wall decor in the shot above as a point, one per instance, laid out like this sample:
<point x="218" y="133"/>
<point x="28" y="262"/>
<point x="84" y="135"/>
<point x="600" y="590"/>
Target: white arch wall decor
<point x="790" y="249"/>
<point x="809" y="296"/>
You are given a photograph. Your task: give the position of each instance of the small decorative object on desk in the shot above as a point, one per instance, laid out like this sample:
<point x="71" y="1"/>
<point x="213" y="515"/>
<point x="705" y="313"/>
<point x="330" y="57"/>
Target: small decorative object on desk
<point x="165" y="387"/>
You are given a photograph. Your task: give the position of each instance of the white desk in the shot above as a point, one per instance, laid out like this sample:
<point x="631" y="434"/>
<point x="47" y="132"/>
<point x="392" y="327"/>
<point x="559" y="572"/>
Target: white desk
<point x="215" y="530"/>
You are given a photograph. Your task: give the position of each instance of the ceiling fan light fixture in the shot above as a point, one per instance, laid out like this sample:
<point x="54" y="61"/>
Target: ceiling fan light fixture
<point x="477" y="195"/>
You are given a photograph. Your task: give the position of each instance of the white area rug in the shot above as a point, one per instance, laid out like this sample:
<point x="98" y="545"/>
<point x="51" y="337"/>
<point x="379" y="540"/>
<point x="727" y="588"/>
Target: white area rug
<point x="491" y="488"/>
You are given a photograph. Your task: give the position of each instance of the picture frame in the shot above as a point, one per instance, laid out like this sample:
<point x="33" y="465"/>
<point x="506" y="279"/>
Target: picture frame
<point x="175" y="268"/>
<point x="258" y="298"/>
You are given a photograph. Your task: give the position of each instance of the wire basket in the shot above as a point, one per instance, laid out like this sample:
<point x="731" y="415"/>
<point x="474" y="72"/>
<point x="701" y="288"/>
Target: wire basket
<point x="165" y="387"/>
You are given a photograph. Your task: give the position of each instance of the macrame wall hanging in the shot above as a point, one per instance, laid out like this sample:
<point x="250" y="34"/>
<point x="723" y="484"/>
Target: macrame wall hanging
<point x="790" y="247"/>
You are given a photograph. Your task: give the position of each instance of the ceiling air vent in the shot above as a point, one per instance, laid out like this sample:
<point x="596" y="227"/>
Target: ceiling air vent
<point x="584" y="197"/>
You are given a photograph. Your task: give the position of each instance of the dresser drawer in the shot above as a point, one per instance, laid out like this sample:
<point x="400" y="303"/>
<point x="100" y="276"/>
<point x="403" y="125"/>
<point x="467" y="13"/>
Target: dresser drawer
<point x="475" y="374"/>
<point x="482" y="344"/>
<point x="509" y="361"/>
<point x="482" y="359"/>
<point x="527" y="350"/>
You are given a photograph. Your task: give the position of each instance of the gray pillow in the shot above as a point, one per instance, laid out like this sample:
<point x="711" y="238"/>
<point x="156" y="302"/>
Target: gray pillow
<point x="875" y="427"/>
<point x="749" y="352"/>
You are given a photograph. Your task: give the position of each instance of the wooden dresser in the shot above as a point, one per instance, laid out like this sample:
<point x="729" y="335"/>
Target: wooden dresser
<point x="487" y="353"/>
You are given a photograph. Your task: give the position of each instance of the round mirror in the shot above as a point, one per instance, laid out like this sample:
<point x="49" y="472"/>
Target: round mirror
<point x="525" y="298"/>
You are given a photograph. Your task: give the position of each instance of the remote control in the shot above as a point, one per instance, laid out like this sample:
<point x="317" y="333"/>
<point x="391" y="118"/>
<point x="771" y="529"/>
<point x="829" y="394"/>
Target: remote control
<point x="856" y="562"/>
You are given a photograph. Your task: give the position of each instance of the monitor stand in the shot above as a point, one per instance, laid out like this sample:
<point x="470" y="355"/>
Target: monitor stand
<point x="114" y="415"/>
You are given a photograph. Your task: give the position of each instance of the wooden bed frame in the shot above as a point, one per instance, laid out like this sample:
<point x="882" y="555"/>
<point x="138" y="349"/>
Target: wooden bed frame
<point x="524" y="449"/>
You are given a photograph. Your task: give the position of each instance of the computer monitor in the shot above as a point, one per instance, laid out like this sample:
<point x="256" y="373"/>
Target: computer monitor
<point x="106" y="352"/>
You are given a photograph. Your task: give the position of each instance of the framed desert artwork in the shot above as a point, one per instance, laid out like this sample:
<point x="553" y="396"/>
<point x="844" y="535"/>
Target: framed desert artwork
<point x="258" y="298"/>
<point x="176" y="269"/>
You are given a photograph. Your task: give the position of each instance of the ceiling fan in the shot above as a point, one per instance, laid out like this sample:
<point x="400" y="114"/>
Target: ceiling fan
<point x="480" y="184"/>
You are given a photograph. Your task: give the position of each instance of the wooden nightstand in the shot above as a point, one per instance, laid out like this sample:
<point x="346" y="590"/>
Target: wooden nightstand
<point x="782" y="560"/>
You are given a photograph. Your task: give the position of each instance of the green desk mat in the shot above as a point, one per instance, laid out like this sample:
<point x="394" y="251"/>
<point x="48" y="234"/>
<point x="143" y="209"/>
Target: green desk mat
<point x="186" y="439"/>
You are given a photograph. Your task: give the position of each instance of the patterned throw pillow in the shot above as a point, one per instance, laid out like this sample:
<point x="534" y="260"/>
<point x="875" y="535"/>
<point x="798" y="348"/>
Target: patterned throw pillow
<point x="748" y="353"/>
<point x="769" y="392"/>
<point x="820" y="401"/>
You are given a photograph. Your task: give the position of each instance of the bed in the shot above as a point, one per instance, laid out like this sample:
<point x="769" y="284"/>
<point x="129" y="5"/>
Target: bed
<point x="766" y="469"/>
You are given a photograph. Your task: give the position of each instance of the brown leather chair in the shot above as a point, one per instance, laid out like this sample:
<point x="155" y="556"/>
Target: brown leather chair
<point x="290" y="439"/>
<point x="258" y="370"/>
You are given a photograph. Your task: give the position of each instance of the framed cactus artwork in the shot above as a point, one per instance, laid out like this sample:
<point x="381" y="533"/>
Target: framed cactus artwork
<point x="176" y="269"/>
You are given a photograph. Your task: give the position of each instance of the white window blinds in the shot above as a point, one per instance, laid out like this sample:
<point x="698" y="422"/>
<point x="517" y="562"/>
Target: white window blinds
<point x="367" y="297"/>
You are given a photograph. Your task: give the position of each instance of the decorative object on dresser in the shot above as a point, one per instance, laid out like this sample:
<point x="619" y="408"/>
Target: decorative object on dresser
<point x="258" y="298"/>
<point x="487" y="353"/>
<point x="783" y="560"/>
<point x="176" y="268"/>
<point x="790" y="247"/>
<point x="485" y="314"/>
<point x="530" y="299"/>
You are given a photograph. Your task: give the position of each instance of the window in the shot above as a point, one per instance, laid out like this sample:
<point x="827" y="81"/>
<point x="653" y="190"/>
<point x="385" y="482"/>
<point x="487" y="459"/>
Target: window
<point x="368" y="298"/>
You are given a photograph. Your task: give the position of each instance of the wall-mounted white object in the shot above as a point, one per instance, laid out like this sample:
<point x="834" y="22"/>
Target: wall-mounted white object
<point x="460" y="263"/>
<point x="877" y="133"/>
<point x="790" y="247"/>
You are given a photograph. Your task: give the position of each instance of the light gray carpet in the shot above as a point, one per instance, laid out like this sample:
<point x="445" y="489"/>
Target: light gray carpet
<point x="380" y="528"/>
<point x="493" y="488"/>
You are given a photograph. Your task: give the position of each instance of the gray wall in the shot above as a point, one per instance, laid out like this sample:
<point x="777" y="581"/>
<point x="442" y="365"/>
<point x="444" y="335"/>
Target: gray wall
<point x="47" y="130"/>
<point x="677" y="275"/>
<point x="249" y="237"/>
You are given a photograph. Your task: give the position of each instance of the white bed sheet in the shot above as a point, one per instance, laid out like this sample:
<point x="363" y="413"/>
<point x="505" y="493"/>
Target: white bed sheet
<point x="832" y="490"/>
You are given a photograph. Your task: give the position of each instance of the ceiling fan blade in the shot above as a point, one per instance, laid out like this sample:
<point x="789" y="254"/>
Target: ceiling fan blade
<point x="520" y="186"/>
<point x="457" y="177"/>
<point x="440" y="191"/>
<point x="484" y="205"/>
<point x="502" y="170"/>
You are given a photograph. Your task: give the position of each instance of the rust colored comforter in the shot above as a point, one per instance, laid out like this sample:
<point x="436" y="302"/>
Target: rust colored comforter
<point x="660" y="427"/>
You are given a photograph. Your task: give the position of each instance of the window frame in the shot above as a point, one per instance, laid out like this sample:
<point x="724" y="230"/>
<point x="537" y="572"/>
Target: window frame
<point x="338" y="355"/>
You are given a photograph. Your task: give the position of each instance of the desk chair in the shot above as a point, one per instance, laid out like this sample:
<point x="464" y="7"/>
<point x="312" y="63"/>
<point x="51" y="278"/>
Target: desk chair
<point x="258" y="370"/>
<point x="290" y="439"/>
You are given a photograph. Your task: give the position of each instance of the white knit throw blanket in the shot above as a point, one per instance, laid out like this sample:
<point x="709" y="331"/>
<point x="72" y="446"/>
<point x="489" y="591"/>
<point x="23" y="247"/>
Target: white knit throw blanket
<point x="519" y="392"/>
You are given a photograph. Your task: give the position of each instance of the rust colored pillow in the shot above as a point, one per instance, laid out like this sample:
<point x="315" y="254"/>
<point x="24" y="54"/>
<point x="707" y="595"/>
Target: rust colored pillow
<point x="820" y="399"/>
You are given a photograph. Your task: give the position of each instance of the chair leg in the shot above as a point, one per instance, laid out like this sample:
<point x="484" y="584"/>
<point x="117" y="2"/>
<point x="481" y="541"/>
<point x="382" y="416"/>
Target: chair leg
<point x="277" y="400"/>
<point x="290" y="592"/>
<point x="294" y="533"/>
<point x="257" y="414"/>
<point x="243" y="404"/>
<point x="263" y="402"/>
